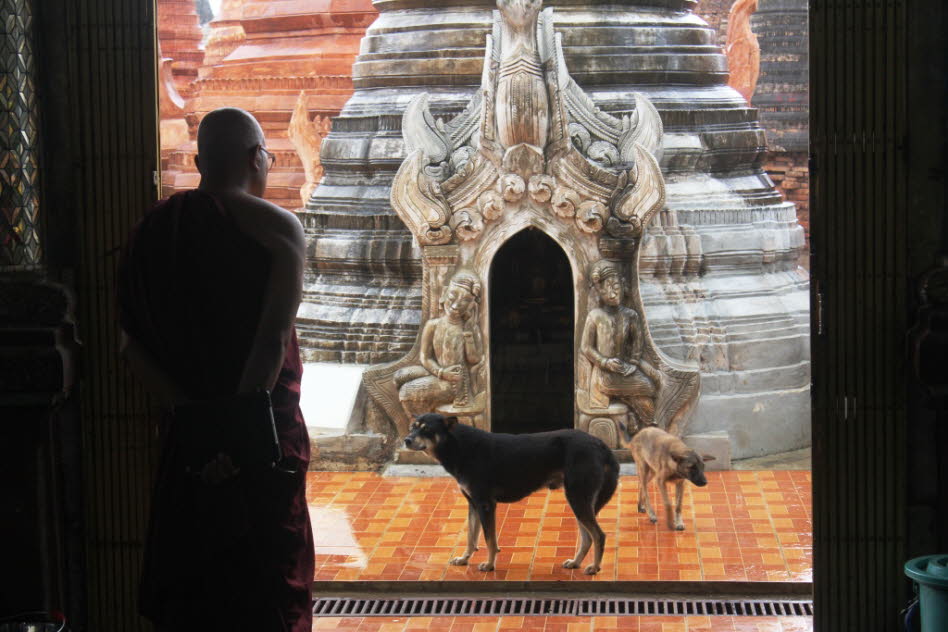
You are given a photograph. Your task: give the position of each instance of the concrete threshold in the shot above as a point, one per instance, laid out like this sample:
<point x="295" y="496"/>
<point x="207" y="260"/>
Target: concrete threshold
<point x="624" y="589"/>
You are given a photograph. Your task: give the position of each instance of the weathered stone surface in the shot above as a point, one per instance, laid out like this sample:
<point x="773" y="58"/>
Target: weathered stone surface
<point x="273" y="58"/>
<point x="225" y="33"/>
<point x="781" y="31"/>
<point x="782" y="98"/>
<point x="350" y="452"/>
<point x="715" y="13"/>
<point x="783" y="89"/>
<point x="718" y="268"/>
<point x="173" y="128"/>
<point x="179" y="34"/>
<point x="715" y="444"/>
<point x="790" y="172"/>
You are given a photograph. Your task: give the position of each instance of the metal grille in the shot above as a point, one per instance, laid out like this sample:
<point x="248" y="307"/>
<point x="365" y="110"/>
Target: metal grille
<point x="470" y="607"/>
<point x="19" y="140"/>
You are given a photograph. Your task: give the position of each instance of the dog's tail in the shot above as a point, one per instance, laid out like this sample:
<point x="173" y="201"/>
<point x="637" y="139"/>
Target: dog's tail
<point x="610" y="480"/>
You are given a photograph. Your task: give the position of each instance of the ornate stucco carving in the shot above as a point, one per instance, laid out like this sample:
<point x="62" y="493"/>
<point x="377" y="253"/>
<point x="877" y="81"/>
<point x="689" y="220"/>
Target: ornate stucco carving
<point x="538" y="135"/>
<point x="307" y="136"/>
<point x="743" y="49"/>
<point x="530" y="150"/>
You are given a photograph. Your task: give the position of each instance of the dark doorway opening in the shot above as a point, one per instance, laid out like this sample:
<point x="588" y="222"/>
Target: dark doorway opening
<point x="531" y="335"/>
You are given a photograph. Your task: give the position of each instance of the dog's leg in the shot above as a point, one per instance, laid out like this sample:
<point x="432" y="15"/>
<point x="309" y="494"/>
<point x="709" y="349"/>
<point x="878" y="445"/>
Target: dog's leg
<point x="669" y="511"/>
<point x="487" y="513"/>
<point x="581" y="492"/>
<point x="582" y="547"/>
<point x="473" y="532"/>
<point x="645" y="475"/>
<point x="679" y="494"/>
<point x="599" y="546"/>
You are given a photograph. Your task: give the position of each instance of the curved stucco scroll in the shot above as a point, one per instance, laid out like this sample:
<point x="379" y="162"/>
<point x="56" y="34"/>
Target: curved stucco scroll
<point x="646" y="196"/>
<point x="418" y="200"/>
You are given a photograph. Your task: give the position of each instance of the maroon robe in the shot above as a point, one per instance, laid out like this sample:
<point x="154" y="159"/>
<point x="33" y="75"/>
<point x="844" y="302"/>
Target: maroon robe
<point x="238" y="556"/>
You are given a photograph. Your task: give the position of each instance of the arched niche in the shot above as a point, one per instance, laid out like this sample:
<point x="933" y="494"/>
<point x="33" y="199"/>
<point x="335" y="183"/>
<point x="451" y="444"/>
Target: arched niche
<point x="531" y="335"/>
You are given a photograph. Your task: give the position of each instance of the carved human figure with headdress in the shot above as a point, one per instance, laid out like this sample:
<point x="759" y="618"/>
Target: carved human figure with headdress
<point x="451" y="352"/>
<point x="613" y="341"/>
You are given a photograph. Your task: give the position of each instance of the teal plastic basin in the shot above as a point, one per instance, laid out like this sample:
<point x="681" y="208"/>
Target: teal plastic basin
<point x="930" y="573"/>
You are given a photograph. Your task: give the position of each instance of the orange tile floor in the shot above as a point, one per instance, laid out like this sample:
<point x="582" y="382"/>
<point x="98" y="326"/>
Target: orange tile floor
<point x="744" y="526"/>
<point x="568" y="624"/>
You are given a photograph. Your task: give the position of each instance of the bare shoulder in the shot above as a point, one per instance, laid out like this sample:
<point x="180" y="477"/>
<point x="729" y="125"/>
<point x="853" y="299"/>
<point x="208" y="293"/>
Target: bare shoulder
<point x="274" y="227"/>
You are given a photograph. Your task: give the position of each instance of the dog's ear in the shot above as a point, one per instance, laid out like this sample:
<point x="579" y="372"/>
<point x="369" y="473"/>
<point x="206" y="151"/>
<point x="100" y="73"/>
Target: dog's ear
<point x="450" y="421"/>
<point x="707" y="457"/>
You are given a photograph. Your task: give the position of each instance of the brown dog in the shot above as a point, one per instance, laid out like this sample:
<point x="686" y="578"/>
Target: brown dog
<point x="666" y="458"/>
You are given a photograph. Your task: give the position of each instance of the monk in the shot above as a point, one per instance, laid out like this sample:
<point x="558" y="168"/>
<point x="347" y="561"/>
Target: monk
<point x="208" y="288"/>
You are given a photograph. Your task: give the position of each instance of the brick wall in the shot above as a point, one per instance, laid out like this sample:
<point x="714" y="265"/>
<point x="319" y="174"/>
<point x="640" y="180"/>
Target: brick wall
<point x="715" y="13"/>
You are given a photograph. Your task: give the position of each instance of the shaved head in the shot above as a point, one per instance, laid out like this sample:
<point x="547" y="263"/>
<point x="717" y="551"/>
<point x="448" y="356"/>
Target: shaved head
<point x="229" y="152"/>
<point x="226" y="138"/>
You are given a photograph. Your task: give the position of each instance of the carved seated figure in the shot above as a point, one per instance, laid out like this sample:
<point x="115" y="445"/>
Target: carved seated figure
<point x="613" y="343"/>
<point x="451" y="354"/>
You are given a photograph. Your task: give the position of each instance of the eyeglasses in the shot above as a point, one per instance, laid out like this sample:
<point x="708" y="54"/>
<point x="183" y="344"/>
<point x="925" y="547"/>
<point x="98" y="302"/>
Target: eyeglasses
<point x="271" y="158"/>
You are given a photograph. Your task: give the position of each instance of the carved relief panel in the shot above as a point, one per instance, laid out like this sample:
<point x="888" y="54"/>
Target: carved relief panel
<point x="532" y="151"/>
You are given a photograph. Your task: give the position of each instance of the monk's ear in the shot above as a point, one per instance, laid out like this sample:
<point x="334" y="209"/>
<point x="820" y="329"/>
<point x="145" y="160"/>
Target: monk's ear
<point x="252" y="163"/>
<point x="707" y="457"/>
<point x="449" y="422"/>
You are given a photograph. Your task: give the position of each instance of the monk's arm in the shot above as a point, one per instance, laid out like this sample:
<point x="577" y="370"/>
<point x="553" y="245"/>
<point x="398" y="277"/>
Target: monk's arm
<point x="282" y="235"/>
<point x="155" y="379"/>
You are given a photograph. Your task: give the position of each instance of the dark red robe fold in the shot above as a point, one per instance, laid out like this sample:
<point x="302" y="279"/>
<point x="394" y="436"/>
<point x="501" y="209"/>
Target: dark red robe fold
<point x="238" y="556"/>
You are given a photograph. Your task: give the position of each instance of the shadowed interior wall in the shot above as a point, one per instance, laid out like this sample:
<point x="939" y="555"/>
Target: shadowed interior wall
<point x="862" y="170"/>
<point x="101" y="120"/>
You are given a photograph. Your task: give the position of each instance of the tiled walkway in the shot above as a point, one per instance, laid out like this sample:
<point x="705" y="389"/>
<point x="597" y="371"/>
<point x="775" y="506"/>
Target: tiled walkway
<point x="744" y="526"/>
<point x="569" y="624"/>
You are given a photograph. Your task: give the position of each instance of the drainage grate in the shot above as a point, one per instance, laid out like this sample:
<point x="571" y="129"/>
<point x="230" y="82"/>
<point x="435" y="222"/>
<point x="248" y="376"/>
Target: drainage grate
<point x="469" y="607"/>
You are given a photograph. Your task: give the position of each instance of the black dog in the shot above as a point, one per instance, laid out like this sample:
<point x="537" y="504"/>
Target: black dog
<point x="492" y="468"/>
